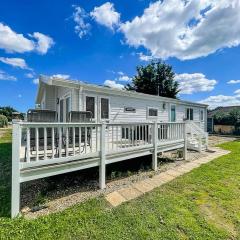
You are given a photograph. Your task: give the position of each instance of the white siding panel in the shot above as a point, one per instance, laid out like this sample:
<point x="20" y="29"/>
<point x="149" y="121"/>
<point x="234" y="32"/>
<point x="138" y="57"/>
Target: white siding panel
<point x="50" y="97"/>
<point x="117" y="105"/>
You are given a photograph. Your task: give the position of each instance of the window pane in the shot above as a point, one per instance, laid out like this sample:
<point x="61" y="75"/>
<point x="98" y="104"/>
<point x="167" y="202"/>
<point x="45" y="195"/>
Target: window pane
<point x="90" y="105"/>
<point x="152" y="112"/>
<point x="61" y="110"/>
<point x="67" y="108"/>
<point x="201" y="115"/>
<point x="173" y="113"/>
<point x="191" y="114"/>
<point x="187" y="113"/>
<point x="104" y="108"/>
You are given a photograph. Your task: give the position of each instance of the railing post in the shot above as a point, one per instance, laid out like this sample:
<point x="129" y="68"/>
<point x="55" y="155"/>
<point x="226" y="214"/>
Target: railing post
<point x="199" y="143"/>
<point x="16" y="145"/>
<point x="185" y="141"/>
<point x="155" y="144"/>
<point x="206" y="137"/>
<point x="102" y="166"/>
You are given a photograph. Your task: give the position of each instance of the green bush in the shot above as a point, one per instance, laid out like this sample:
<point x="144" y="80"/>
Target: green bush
<point x="3" y="121"/>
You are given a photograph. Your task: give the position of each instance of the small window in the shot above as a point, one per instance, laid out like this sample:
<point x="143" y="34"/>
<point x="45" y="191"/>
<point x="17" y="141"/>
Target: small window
<point x="90" y="105"/>
<point x="201" y="115"/>
<point x="189" y="113"/>
<point x="104" y="108"/>
<point x="152" y="112"/>
<point x="173" y="113"/>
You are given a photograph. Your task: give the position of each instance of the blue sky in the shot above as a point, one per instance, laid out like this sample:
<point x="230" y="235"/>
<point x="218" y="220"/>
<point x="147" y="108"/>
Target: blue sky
<point x="102" y="42"/>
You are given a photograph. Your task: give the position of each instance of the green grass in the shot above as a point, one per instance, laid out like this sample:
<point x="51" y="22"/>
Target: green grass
<point x="203" y="204"/>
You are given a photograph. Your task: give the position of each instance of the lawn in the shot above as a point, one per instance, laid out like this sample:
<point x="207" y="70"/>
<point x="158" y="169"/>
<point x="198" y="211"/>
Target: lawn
<point x="203" y="204"/>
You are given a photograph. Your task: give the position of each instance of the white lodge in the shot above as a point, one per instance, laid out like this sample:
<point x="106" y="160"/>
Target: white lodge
<point x="56" y="139"/>
<point x="114" y="106"/>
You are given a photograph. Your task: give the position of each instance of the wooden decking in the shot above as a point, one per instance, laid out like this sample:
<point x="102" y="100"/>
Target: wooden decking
<point x="46" y="149"/>
<point x="58" y="145"/>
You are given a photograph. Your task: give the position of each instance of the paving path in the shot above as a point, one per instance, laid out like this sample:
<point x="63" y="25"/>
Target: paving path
<point x="137" y="189"/>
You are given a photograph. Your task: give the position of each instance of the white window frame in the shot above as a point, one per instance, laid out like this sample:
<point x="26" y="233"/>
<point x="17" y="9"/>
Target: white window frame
<point x="100" y="108"/>
<point x="95" y="104"/>
<point x="170" y="112"/>
<point x="152" y="117"/>
<point x="189" y="113"/>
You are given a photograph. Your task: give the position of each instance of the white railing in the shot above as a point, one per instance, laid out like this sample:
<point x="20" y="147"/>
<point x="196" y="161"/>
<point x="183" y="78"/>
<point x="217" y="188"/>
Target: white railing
<point x="194" y="128"/>
<point x="126" y="136"/>
<point x="45" y="149"/>
<point x="195" y="131"/>
<point x="170" y="131"/>
<point x="44" y="143"/>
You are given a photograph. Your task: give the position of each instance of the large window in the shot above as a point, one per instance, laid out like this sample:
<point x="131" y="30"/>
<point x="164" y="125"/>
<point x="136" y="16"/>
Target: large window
<point x="173" y="113"/>
<point x="90" y="105"/>
<point x="152" y="112"/>
<point x="189" y="113"/>
<point x="104" y="108"/>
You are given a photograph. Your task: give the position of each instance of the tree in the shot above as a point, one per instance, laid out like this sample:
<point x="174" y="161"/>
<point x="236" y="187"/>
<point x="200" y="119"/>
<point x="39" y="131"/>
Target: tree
<point x="156" y="78"/>
<point x="234" y="116"/>
<point x="3" y="121"/>
<point x="8" y="112"/>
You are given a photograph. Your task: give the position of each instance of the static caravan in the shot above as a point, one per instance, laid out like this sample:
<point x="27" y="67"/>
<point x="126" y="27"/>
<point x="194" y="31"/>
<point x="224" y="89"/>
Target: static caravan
<point x="113" y="105"/>
<point x="117" y="125"/>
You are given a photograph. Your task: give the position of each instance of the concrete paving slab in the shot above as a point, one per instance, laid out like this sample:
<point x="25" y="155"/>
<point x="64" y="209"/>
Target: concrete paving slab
<point x="115" y="198"/>
<point x="129" y="193"/>
<point x="139" y="188"/>
<point x="143" y="186"/>
<point x="173" y="173"/>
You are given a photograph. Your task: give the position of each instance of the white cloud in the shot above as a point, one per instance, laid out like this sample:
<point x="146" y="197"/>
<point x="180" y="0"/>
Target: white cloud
<point x="44" y="42"/>
<point x="6" y="77"/>
<point x="35" y="81"/>
<point x="144" y="57"/>
<point x="79" y="15"/>
<point x="185" y="29"/>
<point x="237" y="92"/>
<point x="120" y="73"/>
<point x="233" y="81"/>
<point x="221" y="100"/>
<point x="106" y="15"/>
<point x="12" y="42"/>
<point x="113" y="84"/>
<point x="64" y="76"/>
<point x="196" y="82"/>
<point x="19" y="95"/>
<point x="15" y="62"/>
<point x="124" y="78"/>
<point x="29" y="75"/>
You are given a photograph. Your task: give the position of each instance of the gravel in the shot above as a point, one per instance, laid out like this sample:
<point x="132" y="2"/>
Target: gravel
<point x="54" y="194"/>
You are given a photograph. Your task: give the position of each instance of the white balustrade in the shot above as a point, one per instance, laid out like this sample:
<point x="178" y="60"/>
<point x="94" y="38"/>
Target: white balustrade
<point x="46" y="149"/>
<point x="52" y="141"/>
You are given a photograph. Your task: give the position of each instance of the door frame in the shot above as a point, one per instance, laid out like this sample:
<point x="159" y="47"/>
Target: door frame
<point x="63" y="98"/>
